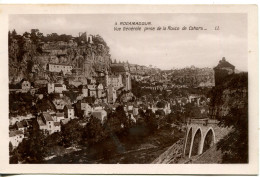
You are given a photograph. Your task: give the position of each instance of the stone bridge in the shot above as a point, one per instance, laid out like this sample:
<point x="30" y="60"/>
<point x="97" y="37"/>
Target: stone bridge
<point x="202" y="134"/>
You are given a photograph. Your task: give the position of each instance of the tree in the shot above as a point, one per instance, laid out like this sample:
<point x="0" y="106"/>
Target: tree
<point x="71" y="133"/>
<point x="10" y="147"/>
<point x="54" y="139"/>
<point x="234" y="146"/>
<point x="160" y="112"/>
<point x="150" y="120"/>
<point x="92" y="132"/>
<point x="26" y="34"/>
<point x="120" y="114"/>
<point x="14" y="33"/>
<point x="160" y="104"/>
<point x="141" y="112"/>
<point x="188" y="110"/>
<point x="14" y="157"/>
<point x="72" y="96"/>
<point x="29" y="66"/>
<point x="9" y="38"/>
<point x="44" y="105"/>
<point x="33" y="150"/>
<point x="99" y="40"/>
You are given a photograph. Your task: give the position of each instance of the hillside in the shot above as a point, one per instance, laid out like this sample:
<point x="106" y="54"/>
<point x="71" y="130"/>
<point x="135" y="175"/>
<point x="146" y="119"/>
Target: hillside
<point x="28" y="57"/>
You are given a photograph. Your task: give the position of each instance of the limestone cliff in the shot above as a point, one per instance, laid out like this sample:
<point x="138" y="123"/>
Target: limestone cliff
<point x="28" y="59"/>
<point x="231" y="93"/>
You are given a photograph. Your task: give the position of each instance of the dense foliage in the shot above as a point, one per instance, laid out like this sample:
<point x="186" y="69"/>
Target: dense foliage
<point x="31" y="150"/>
<point x="234" y="146"/>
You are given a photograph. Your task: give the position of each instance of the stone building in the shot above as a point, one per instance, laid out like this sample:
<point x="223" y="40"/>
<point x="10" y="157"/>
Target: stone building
<point x="85" y="91"/>
<point x="56" y="88"/>
<point x="47" y="124"/>
<point x="122" y="69"/>
<point x="115" y="81"/>
<point x="69" y="112"/>
<point x="16" y="137"/>
<point x="56" y="68"/>
<point x="26" y="86"/>
<point x="111" y="94"/>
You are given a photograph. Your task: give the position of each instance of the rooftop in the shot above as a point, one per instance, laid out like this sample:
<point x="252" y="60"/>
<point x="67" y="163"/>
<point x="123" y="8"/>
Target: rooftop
<point x="40" y="122"/>
<point x="224" y="64"/>
<point x="56" y="124"/>
<point x="20" y="124"/>
<point x="15" y="132"/>
<point x="59" y="114"/>
<point x="58" y="85"/>
<point x="47" y="116"/>
<point x="69" y="106"/>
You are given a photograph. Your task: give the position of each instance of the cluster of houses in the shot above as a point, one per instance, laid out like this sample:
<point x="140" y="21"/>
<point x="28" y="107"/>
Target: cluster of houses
<point x="107" y="88"/>
<point x="88" y="104"/>
<point x="95" y="98"/>
<point x="19" y="126"/>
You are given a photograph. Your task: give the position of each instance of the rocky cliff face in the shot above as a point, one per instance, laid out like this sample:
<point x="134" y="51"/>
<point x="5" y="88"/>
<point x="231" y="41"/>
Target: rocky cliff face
<point x="231" y="93"/>
<point x="28" y="60"/>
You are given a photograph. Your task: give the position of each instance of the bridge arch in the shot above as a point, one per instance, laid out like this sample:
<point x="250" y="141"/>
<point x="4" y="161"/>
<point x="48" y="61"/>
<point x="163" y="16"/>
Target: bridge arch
<point x="196" y="143"/>
<point x="208" y="140"/>
<point x="188" y="142"/>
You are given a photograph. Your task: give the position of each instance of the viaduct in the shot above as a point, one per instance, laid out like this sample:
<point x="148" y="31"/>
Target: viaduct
<point x="201" y="135"/>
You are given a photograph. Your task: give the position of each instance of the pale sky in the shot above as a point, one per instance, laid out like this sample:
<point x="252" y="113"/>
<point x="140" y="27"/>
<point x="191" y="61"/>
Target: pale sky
<point x="164" y="49"/>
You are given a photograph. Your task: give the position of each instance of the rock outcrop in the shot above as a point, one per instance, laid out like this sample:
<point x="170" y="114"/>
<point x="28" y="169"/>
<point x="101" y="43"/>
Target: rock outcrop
<point x="28" y="60"/>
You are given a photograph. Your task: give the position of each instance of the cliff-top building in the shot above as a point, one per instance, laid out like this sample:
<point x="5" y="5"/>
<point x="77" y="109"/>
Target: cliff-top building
<point x="222" y="70"/>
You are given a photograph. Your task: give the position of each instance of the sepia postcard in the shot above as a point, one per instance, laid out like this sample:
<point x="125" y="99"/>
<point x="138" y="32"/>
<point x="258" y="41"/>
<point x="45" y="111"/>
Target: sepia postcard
<point x="129" y="89"/>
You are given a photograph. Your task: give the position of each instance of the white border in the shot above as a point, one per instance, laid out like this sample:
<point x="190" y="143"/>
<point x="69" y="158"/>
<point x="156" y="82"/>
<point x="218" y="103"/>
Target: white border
<point x="251" y="168"/>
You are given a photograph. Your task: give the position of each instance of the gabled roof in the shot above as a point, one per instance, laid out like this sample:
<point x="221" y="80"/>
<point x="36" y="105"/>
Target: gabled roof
<point x="53" y="113"/>
<point x="20" y="124"/>
<point x="69" y="106"/>
<point x="60" y="114"/>
<point x="15" y="132"/>
<point x="56" y="124"/>
<point x="47" y="116"/>
<point x="58" y="85"/>
<point x="40" y="121"/>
